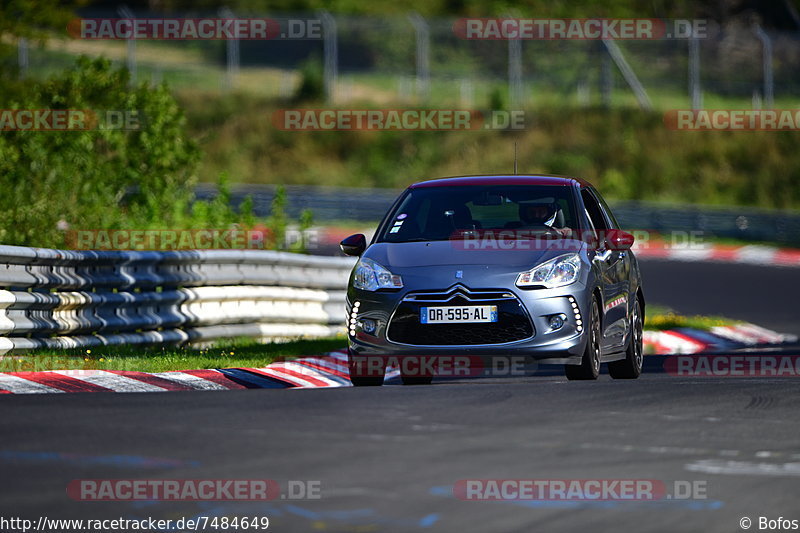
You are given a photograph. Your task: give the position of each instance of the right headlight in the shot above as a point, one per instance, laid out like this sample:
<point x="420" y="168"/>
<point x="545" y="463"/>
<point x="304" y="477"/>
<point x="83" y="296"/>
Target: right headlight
<point x="370" y="276"/>
<point x="557" y="272"/>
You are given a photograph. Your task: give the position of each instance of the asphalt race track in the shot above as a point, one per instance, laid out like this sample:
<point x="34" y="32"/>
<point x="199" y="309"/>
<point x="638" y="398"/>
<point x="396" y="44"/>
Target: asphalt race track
<point x="387" y="459"/>
<point x="767" y="296"/>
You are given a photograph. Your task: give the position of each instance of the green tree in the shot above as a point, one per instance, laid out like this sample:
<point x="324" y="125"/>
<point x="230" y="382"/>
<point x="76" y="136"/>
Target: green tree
<point x="97" y="178"/>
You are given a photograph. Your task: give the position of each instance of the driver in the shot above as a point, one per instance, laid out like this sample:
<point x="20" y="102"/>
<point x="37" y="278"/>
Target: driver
<point x="541" y="215"/>
<point x="537" y="214"/>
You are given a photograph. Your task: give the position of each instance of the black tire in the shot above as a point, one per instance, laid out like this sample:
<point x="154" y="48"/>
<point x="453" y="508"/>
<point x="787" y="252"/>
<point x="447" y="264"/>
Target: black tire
<point x="590" y="362"/>
<point x="366" y="382"/>
<point x="416" y="380"/>
<point x="357" y="371"/>
<point x="631" y="366"/>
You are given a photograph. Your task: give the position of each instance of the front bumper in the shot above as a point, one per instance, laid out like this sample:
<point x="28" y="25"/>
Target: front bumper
<point x="393" y="312"/>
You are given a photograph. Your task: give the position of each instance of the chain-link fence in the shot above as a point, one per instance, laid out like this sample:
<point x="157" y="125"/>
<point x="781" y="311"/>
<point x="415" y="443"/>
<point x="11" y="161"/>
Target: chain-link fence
<point x="409" y="59"/>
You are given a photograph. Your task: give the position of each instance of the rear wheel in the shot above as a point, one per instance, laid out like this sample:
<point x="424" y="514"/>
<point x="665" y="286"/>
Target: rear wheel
<point x="590" y="363"/>
<point x="631" y="366"/>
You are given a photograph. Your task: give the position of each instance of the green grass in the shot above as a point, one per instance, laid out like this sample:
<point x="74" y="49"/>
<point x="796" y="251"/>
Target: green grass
<point x="659" y="318"/>
<point x="230" y="354"/>
<point x="381" y="88"/>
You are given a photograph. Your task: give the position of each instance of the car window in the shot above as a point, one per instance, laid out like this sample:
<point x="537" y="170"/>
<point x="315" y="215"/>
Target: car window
<point x="594" y="212"/>
<point x="439" y="213"/>
<point x="493" y="216"/>
<point x="609" y="216"/>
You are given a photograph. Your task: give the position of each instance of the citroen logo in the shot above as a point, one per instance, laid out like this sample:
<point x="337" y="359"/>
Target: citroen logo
<point x="459" y="274"/>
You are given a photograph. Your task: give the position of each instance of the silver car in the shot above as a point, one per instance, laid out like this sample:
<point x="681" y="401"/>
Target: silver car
<point x="491" y="267"/>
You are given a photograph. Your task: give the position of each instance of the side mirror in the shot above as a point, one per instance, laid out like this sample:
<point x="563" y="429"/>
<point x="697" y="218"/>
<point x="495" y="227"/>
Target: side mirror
<point x="354" y="244"/>
<point x="619" y="240"/>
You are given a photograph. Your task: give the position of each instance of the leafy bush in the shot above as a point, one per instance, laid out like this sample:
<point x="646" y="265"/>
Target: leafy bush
<point x="312" y="81"/>
<point x="81" y="178"/>
<point x="104" y="178"/>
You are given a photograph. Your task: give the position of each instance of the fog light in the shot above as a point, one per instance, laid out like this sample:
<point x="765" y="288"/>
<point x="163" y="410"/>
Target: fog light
<point x="368" y="325"/>
<point x="557" y="322"/>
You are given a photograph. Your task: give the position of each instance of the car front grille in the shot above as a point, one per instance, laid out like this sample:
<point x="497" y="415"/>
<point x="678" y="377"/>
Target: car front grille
<point x="513" y="323"/>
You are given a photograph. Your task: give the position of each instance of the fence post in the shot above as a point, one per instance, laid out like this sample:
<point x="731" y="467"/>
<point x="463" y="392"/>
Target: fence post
<point x="231" y="53"/>
<point x="606" y="76"/>
<point x="514" y="73"/>
<point x="756" y="100"/>
<point x="423" y="35"/>
<point x="629" y="75"/>
<point x="769" y="85"/>
<point x="130" y="62"/>
<point x="466" y="92"/>
<point x="22" y="56"/>
<point x="694" y="73"/>
<point x="331" y="52"/>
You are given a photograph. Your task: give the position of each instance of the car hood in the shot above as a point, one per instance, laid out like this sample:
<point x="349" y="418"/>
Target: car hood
<point x="515" y="257"/>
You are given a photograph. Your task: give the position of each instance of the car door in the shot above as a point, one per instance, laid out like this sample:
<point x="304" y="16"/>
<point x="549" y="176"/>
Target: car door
<point x="611" y="268"/>
<point x="624" y="261"/>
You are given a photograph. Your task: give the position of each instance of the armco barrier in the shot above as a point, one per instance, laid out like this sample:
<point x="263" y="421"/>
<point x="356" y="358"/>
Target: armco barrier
<point x="67" y="299"/>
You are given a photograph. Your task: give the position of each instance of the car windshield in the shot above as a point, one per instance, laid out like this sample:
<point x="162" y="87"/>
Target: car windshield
<point x="442" y="213"/>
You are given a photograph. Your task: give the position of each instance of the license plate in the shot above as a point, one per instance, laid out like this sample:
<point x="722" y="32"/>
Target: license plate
<point x="458" y="314"/>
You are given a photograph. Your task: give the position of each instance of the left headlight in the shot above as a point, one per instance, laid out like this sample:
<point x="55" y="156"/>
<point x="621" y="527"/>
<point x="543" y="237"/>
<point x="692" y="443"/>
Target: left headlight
<point x="557" y="272"/>
<point x="370" y="276"/>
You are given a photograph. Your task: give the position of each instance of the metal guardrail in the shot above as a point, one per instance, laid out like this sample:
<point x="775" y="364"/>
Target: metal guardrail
<point x="66" y="299"/>
<point x="370" y="204"/>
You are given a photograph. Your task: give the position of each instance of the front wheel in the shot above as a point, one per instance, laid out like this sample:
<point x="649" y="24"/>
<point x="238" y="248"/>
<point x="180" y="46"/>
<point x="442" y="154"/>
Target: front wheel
<point x="366" y="371"/>
<point x="631" y="366"/>
<point x="416" y="380"/>
<point x="590" y="362"/>
<point x="366" y="382"/>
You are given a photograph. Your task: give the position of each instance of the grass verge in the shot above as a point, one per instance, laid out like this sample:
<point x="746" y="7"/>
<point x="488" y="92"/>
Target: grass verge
<point x="662" y="318"/>
<point x="237" y="353"/>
